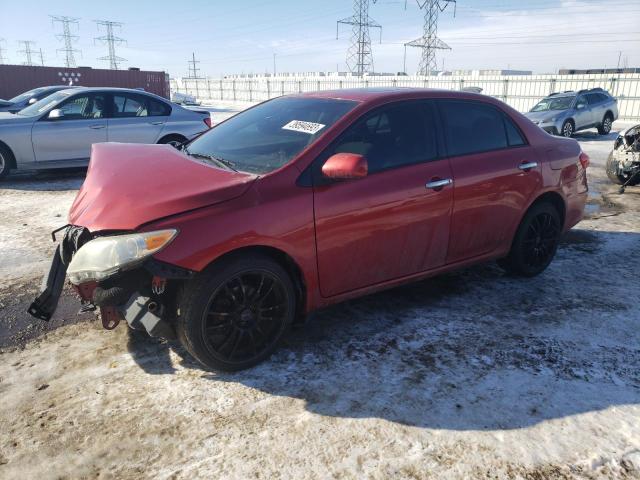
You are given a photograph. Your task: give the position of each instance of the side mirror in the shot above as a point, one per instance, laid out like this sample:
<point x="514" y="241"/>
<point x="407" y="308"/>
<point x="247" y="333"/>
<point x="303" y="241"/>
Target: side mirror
<point x="55" y="114"/>
<point x="345" y="166"/>
<point x="32" y="101"/>
<point x="580" y="106"/>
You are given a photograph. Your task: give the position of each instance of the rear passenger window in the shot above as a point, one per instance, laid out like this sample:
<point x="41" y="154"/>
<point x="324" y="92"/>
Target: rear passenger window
<point x="158" y="109"/>
<point x="513" y="134"/>
<point x="472" y="127"/>
<point x="401" y="134"/>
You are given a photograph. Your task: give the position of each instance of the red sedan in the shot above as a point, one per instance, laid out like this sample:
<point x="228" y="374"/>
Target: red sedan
<point x="308" y="200"/>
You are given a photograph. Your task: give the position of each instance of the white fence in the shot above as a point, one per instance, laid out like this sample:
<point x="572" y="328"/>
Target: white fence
<point x="519" y="91"/>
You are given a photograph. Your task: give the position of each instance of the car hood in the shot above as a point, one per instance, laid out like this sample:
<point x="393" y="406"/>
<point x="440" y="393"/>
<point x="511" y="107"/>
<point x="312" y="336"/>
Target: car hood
<point x="539" y="116"/>
<point x="8" y="117"/>
<point x="128" y="185"/>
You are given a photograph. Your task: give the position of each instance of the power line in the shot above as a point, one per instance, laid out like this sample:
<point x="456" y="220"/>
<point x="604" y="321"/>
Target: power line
<point x="359" y="56"/>
<point x="429" y="42"/>
<point x="110" y="40"/>
<point x="28" y="52"/>
<point x="68" y="38"/>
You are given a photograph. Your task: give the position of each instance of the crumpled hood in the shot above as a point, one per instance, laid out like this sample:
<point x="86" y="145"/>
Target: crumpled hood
<point x="540" y="116"/>
<point x="128" y="185"/>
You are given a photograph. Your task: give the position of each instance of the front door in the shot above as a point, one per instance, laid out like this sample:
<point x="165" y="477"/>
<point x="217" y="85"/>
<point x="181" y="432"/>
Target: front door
<point x="136" y="118"/>
<point x="495" y="174"/>
<point x="70" y="137"/>
<point x="583" y="115"/>
<point x="388" y="224"/>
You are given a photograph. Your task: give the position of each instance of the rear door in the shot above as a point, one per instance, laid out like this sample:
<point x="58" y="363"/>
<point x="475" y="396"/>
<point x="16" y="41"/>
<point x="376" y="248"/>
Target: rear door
<point x="597" y="105"/>
<point x="136" y="118"/>
<point x="388" y="224"/>
<point x="70" y="137"/>
<point x="495" y="173"/>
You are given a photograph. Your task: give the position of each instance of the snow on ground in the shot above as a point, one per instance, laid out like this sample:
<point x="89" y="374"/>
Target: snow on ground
<point x="471" y="374"/>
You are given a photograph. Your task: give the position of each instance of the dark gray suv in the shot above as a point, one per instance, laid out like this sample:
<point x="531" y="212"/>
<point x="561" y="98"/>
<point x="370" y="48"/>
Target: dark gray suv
<point x="564" y="113"/>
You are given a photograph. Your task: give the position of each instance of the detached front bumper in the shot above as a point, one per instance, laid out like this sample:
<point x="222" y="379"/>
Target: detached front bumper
<point x="142" y="296"/>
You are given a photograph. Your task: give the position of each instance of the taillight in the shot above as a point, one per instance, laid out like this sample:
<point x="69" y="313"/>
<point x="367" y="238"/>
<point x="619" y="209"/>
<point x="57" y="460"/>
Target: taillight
<point x="584" y="160"/>
<point x="208" y="121"/>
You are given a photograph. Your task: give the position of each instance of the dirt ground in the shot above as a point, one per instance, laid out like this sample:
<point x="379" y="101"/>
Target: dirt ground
<point x="472" y="374"/>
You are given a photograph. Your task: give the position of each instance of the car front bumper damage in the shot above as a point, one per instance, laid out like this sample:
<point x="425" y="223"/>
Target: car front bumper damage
<point x="142" y="296"/>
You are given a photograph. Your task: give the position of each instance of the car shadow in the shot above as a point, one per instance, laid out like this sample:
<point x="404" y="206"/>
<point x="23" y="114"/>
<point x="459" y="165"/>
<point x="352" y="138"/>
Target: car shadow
<point x="593" y="135"/>
<point x="470" y="350"/>
<point x="45" y="181"/>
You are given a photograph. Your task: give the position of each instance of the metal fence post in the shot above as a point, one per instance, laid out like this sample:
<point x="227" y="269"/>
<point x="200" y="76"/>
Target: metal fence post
<point x="221" y="91"/>
<point x="233" y="86"/>
<point x="268" y="89"/>
<point x="505" y="89"/>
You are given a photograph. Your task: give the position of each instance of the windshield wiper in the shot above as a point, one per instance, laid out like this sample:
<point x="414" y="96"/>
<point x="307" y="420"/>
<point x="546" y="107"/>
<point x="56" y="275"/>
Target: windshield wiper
<point x="221" y="162"/>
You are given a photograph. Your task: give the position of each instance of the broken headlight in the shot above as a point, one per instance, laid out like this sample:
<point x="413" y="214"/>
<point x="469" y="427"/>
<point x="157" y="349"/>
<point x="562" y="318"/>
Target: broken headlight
<point x="103" y="256"/>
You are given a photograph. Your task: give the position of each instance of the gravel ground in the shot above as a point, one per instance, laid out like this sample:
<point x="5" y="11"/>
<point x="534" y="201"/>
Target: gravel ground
<point x="471" y="374"/>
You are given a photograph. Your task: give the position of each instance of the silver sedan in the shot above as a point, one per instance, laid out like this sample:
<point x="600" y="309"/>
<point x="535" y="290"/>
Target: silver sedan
<point x="58" y="131"/>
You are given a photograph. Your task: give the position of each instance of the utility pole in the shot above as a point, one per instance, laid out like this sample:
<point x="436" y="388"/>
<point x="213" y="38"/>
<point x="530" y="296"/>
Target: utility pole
<point x="41" y="58"/>
<point x="67" y="38"/>
<point x="28" y="52"/>
<point x="193" y="72"/>
<point x="429" y="41"/>
<point x="110" y="40"/>
<point x="274" y="64"/>
<point x="2" y="58"/>
<point x="359" y="56"/>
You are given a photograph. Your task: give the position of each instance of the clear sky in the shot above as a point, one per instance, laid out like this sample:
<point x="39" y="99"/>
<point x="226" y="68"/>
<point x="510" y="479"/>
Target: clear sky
<point x="241" y="36"/>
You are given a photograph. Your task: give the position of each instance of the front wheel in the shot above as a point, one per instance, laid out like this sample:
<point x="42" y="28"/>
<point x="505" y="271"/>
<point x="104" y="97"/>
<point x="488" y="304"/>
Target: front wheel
<point x="567" y="129"/>
<point x="234" y="314"/>
<point x="536" y="241"/>
<point x="5" y="163"/>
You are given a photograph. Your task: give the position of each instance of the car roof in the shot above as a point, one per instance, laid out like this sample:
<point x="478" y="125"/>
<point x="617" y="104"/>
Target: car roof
<point x="75" y="88"/>
<point x="366" y="95"/>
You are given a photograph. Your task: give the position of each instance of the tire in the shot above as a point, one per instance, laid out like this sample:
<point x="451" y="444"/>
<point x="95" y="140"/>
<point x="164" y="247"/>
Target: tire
<point x="613" y="175"/>
<point x="6" y="161"/>
<point x="607" y="123"/>
<point x="234" y="314"/>
<point x="535" y="242"/>
<point x="568" y="129"/>
<point x="174" y="140"/>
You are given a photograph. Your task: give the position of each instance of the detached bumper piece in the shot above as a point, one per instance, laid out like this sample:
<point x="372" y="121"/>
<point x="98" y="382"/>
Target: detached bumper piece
<point x="45" y="304"/>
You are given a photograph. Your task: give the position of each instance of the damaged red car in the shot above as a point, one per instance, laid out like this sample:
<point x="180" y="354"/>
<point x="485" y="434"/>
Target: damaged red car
<point x="307" y="200"/>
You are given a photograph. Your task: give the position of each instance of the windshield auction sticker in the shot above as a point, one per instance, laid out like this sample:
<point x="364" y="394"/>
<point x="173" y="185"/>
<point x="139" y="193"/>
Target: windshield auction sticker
<point x="304" y="127"/>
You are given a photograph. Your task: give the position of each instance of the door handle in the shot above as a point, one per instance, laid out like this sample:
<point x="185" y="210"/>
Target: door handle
<point x="97" y="127"/>
<point x="526" y="166"/>
<point x="436" y="184"/>
<point x="156" y="123"/>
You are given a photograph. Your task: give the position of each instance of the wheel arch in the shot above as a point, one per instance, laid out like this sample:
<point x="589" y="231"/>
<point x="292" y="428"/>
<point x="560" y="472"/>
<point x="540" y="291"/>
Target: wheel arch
<point x="167" y="136"/>
<point x="12" y="156"/>
<point x="555" y="199"/>
<point x="286" y="261"/>
<point x="608" y="113"/>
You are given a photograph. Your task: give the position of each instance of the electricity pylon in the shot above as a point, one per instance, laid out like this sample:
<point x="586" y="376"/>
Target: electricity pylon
<point x="359" y="56"/>
<point x="67" y="38"/>
<point x="429" y="41"/>
<point x="110" y="40"/>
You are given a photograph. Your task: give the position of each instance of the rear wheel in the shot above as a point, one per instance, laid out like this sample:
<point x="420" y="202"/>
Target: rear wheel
<point x="175" y="141"/>
<point x="567" y="129"/>
<point x="234" y="314"/>
<point x="536" y="241"/>
<point x="605" y="127"/>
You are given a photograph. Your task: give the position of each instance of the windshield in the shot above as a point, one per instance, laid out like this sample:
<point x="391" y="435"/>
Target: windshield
<point x="26" y="95"/>
<point x="553" y="103"/>
<point x="43" y="105"/>
<point x="269" y="135"/>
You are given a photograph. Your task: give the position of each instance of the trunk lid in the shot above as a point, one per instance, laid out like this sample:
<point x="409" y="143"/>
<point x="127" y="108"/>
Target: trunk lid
<point x="128" y="185"/>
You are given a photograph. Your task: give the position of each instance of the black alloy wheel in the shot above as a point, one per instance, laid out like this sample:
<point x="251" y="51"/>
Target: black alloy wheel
<point x="245" y="317"/>
<point x="233" y="315"/>
<point x="535" y="242"/>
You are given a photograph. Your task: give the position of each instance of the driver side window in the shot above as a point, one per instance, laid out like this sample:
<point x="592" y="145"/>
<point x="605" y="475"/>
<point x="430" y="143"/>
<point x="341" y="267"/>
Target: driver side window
<point x="83" y="107"/>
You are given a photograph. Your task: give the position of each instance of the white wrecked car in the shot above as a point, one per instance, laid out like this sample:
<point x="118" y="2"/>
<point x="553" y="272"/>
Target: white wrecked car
<point x="623" y="164"/>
